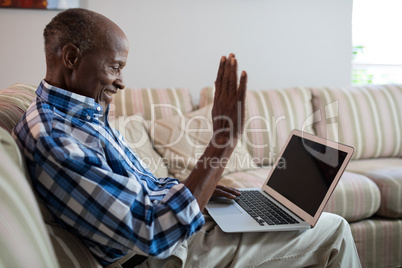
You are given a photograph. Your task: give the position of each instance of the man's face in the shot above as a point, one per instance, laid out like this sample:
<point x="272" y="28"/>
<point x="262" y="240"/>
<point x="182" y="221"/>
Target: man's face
<point x="99" y="74"/>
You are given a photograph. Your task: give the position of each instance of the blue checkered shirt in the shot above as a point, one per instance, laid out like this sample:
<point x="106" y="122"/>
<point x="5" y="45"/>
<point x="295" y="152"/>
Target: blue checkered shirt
<point x="95" y="185"/>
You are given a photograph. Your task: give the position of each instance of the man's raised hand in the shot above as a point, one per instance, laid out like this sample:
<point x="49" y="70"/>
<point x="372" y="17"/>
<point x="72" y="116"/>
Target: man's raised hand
<point x="228" y="122"/>
<point x="228" y="112"/>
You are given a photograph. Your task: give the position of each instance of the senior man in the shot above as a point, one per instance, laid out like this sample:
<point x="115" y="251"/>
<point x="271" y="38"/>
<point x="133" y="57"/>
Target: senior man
<point x="97" y="188"/>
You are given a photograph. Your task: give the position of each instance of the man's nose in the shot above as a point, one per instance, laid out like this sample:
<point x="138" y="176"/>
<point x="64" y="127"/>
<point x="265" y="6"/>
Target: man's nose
<point x="119" y="83"/>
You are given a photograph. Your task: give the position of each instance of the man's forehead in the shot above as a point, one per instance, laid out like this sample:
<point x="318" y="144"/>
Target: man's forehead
<point x="113" y="35"/>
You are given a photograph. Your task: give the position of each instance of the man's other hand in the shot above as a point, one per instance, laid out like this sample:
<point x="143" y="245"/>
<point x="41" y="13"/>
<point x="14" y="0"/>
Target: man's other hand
<point x="224" y="191"/>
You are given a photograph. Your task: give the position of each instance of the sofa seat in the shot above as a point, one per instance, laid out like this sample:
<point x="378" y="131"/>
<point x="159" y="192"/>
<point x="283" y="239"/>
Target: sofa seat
<point x="355" y="197"/>
<point x="378" y="241"/>
<point x="387" y="174"/>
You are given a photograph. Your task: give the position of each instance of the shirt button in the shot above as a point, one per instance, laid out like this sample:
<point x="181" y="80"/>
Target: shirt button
<point x="98" y="108"/>
<point x="88" y="117"/>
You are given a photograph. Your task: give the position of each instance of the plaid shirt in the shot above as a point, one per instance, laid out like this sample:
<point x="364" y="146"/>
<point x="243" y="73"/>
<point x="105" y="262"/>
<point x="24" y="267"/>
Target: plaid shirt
<point x="95" y="185"/>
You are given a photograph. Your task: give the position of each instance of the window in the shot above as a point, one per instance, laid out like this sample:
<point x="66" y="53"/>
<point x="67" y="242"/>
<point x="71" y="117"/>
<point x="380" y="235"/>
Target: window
<point x="377" y="42"/>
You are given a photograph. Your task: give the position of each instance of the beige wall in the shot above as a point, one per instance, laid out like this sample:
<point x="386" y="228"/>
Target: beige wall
<point x="178" y="43"/>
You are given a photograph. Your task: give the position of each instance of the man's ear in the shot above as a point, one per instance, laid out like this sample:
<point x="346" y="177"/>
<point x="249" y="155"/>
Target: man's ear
<point x="71" y="56"/>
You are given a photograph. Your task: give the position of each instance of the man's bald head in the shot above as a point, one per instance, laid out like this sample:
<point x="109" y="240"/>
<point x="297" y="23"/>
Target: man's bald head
<point x="83" y="28"/>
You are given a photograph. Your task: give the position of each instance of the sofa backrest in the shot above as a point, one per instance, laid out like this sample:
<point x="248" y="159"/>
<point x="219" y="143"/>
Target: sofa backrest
<point x="151" y="104"/>
<point x="366" y="117"/>
<point x="14" y="101"/>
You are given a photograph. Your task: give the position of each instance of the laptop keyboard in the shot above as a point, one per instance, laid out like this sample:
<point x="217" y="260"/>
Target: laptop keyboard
<point x="263" y="210"/>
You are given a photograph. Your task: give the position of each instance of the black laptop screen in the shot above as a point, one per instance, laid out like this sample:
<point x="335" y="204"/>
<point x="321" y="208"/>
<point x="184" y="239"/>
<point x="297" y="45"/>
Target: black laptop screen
<point x="305" y="172"/>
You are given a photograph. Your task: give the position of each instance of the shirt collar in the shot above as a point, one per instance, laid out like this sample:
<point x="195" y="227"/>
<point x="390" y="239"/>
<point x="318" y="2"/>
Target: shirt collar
<point x="70" y="103"/>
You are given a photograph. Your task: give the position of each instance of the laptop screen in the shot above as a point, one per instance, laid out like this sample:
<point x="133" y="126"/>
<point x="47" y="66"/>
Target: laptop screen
<point x="305" y="172"/>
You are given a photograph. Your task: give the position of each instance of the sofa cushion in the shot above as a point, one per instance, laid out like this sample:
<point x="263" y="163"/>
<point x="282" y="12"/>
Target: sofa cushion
<point x="378" y="242"/>
<point x="387" y="174"/>
<point x="135" y="134"/>
<point x="24" y="241"/>
<point x="355" y="197"/>
<point x="366" y="117"/>
<point x="253" y="178"/>
<point x="181" y="140"/>
<point x="151" y="103"/>
<point x="270" y="117"/>
<point x="14" y="101"/>
<point x="70" y="251"/>
<point x="207" y="96"/>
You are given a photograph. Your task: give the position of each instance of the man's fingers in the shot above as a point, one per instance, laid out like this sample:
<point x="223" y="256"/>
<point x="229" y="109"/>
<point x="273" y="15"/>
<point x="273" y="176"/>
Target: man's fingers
<point x="230" y="94"/>
<point x="241" y="101"/>
<point x="230" y="190"/>
<point x="222" y="193"/>
<point x="219" y="78"/>
<point x="224" y="70"/>
<point x="226" y="76"/>
<point x="221" y="70"/>
<point x="233" y="77"/>
<point x="241" y="93"/>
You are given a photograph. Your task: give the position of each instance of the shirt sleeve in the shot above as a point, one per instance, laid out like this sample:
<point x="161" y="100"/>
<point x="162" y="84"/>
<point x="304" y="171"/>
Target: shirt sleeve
<point x="122" y="212"/>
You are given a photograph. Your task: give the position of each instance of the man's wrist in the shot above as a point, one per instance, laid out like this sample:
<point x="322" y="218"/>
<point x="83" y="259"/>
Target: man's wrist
<point x="222" y="142"/>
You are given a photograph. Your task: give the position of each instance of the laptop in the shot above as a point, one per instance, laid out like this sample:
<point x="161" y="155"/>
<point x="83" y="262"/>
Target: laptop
<point x="294" y="193"/>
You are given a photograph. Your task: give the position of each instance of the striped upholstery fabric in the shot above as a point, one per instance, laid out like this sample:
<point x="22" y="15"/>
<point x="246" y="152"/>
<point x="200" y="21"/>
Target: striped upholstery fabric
<point x="151" y="103"/>
<point x="253" y="178"/>
<point x="387" y="174"/>
<point x="135" y="134"/>
<point x="207" y="96"/>
<point x="355" y="197"/>
<point x="14" y="101"/>
<point x="270" y="116"/>
<point x="378" y="242"/>
<point x="24" y="241"/>
<point x="366" y="117"/>
<point x="181" y="140"/>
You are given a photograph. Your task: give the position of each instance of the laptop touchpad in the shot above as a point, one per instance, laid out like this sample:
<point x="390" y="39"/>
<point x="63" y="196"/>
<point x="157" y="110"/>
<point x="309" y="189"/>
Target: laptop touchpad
<point x="224" y="208"/>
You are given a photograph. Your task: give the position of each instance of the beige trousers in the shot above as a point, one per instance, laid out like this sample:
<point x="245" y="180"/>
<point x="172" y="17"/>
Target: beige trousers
<point x="328" y="244"/>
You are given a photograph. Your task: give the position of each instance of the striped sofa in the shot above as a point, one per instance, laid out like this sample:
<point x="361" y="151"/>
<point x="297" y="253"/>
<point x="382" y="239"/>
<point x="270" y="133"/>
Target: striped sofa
<point x="169" y="133"/>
